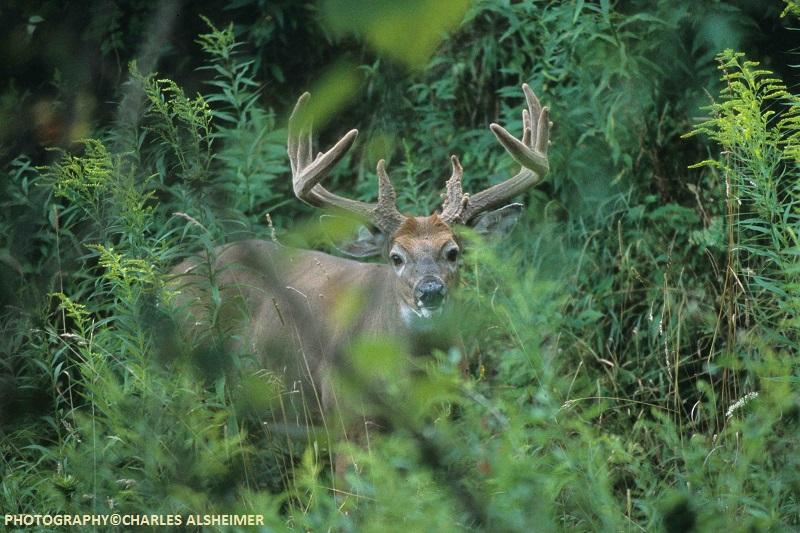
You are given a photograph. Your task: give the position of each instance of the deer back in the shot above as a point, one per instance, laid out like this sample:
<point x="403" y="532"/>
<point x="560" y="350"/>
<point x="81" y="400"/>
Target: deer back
<point x="295" y="310"/>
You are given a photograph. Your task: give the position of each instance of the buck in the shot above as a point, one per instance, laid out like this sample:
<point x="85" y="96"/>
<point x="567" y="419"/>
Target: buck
<point x="287" y="306"/>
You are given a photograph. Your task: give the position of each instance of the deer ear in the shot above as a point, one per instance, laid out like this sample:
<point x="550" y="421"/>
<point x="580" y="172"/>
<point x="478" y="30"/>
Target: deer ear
<point x="351" y="238"/>
<point x="499" y="222"/>
<point x="366" y="243"/>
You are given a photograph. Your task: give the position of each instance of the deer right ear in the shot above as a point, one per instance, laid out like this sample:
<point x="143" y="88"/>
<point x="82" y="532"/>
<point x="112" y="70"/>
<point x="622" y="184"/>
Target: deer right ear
<point x="366" y="243"/>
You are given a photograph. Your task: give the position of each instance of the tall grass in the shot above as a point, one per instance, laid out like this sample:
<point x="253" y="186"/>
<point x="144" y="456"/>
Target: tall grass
<point x="632" y="347"/>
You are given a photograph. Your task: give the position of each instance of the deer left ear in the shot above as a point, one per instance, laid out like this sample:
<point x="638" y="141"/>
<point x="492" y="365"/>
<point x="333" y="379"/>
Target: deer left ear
<point x="499" y="222"/>
<point x="367" y="243"/>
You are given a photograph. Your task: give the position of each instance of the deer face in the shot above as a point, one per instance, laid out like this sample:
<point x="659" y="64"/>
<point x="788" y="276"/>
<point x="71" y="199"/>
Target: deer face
<point x="424" y="255"/>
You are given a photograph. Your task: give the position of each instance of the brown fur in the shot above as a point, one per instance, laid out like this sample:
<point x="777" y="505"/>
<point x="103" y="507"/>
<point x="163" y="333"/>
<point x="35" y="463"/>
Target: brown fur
<point x="298" y="310"/>
<point x="416" y="230"/>
<point x="294" y="309"/>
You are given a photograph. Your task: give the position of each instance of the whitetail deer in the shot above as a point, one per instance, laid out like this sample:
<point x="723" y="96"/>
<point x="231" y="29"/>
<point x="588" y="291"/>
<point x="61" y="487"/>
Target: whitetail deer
<point x="287" y="305"/>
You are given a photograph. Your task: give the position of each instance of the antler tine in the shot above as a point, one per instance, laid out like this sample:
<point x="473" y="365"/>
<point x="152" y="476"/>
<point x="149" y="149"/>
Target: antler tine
<point x="386" y="195"/>
<point x="307" y="172"/>
<point x="386" y="209"/>
<point x="530" y="152"/>
<point x="454" y="198"/>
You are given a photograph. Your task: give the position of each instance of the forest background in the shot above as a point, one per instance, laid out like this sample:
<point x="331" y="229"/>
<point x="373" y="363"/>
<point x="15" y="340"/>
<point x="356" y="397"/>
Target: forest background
<point x="634" y="346"/>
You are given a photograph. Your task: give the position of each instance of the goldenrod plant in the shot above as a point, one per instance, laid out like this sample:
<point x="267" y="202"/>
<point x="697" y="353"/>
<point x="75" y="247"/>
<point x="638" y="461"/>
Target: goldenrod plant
<point x="628" y="355"/>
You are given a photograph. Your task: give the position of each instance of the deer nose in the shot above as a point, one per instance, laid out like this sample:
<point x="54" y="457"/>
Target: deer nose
<point x="430" y="292"/>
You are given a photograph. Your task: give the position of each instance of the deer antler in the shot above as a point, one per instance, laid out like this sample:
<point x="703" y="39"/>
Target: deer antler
<point x="307" y="172"/>
<point x="530" y="152"/>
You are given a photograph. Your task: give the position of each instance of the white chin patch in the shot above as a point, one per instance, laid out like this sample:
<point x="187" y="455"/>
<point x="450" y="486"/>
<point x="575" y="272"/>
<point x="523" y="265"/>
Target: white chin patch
<point x="411" y="314"/>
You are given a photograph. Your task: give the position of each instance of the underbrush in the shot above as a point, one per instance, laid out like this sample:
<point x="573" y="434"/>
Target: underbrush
<point x="632" y="347"/>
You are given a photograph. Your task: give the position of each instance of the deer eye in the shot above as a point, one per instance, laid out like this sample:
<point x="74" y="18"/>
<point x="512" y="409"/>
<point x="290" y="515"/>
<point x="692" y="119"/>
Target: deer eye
<point x="452" y="254"/>
<point x="397" y="260"/>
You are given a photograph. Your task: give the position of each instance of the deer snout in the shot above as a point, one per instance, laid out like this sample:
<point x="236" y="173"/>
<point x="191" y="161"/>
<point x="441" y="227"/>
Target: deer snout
<point x="430" y="292"/>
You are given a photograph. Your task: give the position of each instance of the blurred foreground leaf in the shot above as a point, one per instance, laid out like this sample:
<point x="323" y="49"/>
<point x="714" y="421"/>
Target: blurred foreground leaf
<point x="408" y="32"/>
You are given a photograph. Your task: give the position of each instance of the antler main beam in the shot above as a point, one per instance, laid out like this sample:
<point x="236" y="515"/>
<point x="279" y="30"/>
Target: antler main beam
<point x="308" y="172"/>
<point x="530" y="152"/>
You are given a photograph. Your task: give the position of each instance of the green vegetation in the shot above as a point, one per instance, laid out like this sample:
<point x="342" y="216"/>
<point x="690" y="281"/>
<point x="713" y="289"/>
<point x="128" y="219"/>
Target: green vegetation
<point x="634" y="346"/>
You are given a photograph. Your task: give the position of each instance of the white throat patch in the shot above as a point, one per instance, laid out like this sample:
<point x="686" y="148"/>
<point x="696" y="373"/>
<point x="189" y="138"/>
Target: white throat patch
<point x="412" y="316"/>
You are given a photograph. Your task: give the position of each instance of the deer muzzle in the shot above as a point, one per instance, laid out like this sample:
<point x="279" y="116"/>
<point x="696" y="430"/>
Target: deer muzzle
<point x="429" y="293"/>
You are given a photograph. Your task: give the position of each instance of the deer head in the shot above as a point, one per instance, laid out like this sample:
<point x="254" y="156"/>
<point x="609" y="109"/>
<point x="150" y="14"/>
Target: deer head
<point x="423" y="251"/>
